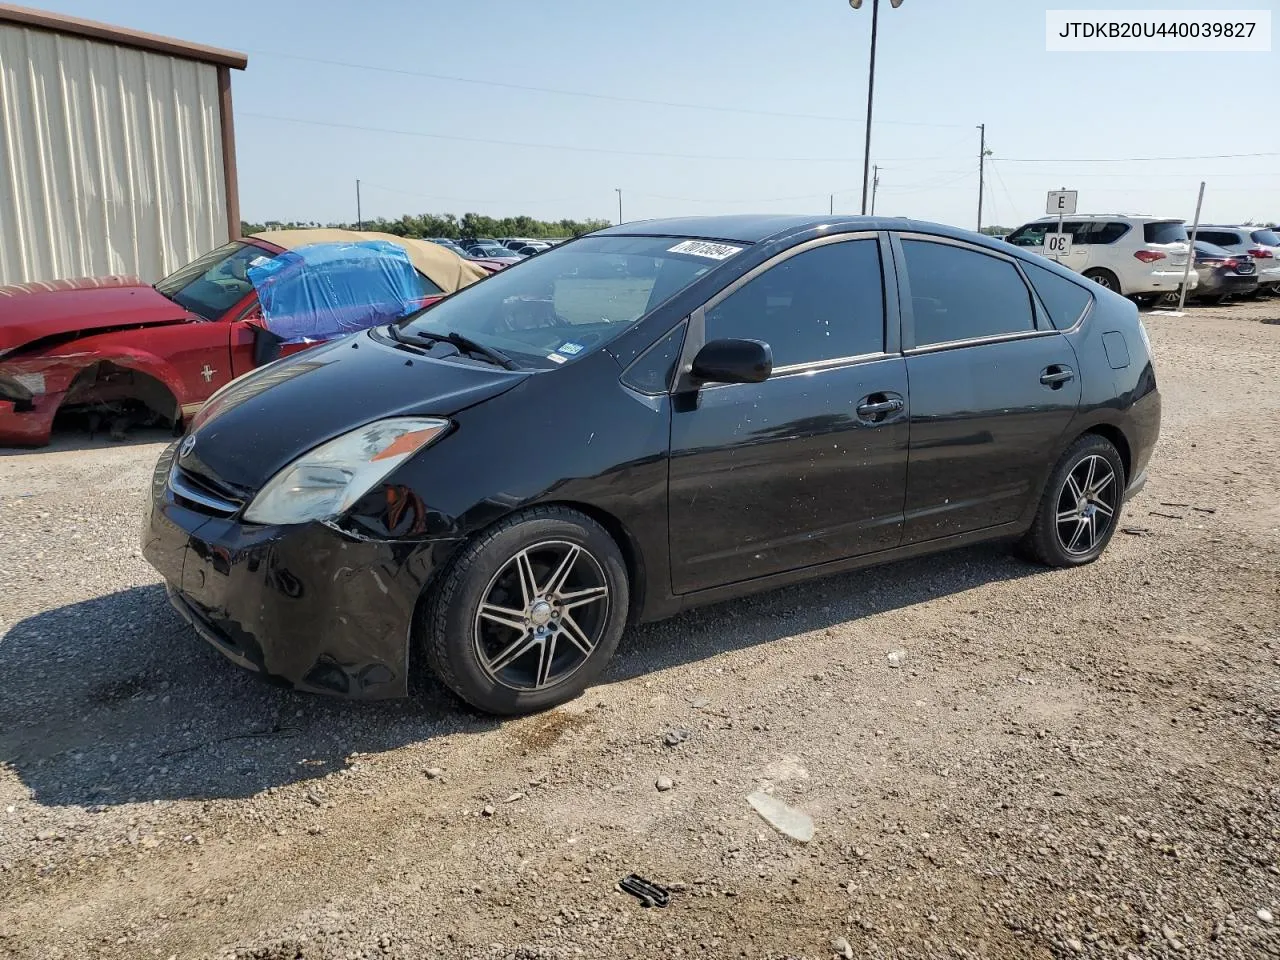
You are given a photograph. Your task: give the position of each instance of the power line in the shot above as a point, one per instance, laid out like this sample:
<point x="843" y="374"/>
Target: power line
<point x="400" y="71"/>
<point x="1210" y="156"/>
<point x="554" y="146"/>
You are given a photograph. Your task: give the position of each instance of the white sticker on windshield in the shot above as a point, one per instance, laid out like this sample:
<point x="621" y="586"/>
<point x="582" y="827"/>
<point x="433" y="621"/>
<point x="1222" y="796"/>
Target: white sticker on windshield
<point x="259" y="261"/>
<point x="702" y="248"/>
<point x="556" y="358"/>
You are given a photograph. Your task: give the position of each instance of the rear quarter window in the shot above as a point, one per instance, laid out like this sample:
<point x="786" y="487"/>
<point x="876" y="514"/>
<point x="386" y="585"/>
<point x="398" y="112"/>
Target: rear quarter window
<point x="1064" y="300"/>
<point x="1165" y="232"/>
<point x="1269" y="237"/>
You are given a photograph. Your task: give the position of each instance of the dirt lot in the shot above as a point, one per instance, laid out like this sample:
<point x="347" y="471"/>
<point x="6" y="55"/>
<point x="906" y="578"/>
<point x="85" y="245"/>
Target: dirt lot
<point x="1066" y="764"/>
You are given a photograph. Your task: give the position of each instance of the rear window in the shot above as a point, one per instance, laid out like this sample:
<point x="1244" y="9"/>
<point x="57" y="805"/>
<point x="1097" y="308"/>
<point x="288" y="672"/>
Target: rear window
<point x="1170" y="231"/>
<point x="1220" y="237"/>
<point x="1269" y="237"/>
<point x="1063" y="300"/>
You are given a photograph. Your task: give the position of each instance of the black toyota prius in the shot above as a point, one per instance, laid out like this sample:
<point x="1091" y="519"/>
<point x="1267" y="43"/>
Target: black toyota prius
<point x="650" y="417"/>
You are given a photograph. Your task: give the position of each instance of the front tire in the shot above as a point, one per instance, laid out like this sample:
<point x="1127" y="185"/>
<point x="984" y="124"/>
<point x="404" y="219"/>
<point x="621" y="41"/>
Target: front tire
<point x="1080" y="507"/>
<point x="529" y="613"/>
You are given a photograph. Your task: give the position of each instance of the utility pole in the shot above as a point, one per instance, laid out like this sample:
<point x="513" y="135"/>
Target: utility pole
<point x="982" y="168"/>
<point x="359" y="218"/>
<point x="1191" y="251"/>
<point x="619" y="192"/>
<point x="875" y="185"/>
<point x="871" y="88"/>
<point x="833" y="205"/>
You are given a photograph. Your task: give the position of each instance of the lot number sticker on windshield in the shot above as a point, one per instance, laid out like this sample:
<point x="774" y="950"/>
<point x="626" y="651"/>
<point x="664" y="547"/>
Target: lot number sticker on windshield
<point x="701" y="248"/>
<point x="572" y="349"/>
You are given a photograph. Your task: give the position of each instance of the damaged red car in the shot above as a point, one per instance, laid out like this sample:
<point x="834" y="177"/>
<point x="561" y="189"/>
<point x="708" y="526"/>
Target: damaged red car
<point x="125" y="352"/>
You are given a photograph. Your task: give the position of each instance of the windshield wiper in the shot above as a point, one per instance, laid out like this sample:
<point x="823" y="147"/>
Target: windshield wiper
<point x="461" y="341"/>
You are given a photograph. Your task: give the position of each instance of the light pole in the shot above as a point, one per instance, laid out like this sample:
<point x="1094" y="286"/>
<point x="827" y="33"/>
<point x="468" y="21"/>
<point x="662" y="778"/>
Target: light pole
<point x="871" y="87"/>
<point x="619" y="192"/>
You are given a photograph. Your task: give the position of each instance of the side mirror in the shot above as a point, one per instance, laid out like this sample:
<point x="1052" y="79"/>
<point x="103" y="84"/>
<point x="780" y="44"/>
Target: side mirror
<point x="266" y="345"/>
<point x="733" y="361"/>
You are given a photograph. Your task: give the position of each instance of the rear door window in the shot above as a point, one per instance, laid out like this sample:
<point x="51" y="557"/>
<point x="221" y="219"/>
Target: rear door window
<point x="958" y="293"/>
<point x="1169" y="231"/>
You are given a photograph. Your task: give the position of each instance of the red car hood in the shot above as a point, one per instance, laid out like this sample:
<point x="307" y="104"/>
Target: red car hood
<point x="32" y="311"/>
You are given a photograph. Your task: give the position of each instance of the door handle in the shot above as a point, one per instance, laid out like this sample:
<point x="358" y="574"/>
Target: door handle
<point x="1056" y="375"/>
<point x="872" y="409"/>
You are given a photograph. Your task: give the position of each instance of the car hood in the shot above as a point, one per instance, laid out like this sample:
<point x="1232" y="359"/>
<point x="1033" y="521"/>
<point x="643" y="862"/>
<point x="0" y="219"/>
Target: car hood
<point x="33" y="311"/>
<point x="261" y="422"/>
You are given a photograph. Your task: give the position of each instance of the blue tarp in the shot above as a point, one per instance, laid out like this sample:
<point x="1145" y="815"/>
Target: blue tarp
<point x="325" y="290"/>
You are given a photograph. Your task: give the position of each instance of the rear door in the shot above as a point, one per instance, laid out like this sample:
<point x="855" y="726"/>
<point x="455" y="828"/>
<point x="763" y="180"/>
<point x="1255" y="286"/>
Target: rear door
<point x="993" y="387"/>
<point x="810" y="465"/>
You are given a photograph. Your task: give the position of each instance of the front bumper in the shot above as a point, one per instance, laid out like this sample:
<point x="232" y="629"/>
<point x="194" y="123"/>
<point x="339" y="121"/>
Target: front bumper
<point x="307" y="606"/>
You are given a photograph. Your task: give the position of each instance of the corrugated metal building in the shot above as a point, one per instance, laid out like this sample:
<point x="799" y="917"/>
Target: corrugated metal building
<point x="117" y="149"/>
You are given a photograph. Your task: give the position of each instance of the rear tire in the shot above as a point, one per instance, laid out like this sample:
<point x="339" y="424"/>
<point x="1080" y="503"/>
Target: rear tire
<point x="1080" y="508"/>
<point x="1104" y="278"/>
<point x="528" y="614"/>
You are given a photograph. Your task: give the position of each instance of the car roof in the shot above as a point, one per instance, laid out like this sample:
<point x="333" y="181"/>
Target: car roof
<point x="1131" y="217"/>
<point x="756" y="228"/>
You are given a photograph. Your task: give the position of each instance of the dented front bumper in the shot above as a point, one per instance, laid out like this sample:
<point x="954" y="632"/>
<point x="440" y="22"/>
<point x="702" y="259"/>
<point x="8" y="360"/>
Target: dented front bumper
<point x="307" y="606"/>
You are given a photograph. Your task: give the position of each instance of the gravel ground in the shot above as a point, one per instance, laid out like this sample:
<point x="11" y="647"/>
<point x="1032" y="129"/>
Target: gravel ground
<point x="1060" y="764"/>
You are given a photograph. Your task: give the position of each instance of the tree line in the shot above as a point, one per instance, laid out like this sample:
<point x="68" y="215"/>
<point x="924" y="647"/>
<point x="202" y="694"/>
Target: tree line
<point x="468" y="226"/>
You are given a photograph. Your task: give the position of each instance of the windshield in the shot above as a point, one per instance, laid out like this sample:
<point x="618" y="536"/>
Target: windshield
<point x="211" y="285"/>
<point x="573" y="299"/>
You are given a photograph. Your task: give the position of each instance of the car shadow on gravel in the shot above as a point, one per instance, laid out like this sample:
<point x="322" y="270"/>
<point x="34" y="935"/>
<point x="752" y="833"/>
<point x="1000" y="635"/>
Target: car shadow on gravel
<point x="78" y="438"/>
<point x="115" y="700"/>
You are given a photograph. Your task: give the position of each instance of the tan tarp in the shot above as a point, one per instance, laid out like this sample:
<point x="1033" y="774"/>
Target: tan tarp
<point x="446" y="269"/>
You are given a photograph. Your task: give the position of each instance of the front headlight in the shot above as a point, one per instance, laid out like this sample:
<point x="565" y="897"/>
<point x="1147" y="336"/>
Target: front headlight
<point x="326" y="481"/>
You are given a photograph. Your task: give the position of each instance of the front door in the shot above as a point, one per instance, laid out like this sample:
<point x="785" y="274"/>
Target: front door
<point x="993" y="387"/>
<point x="810" y="465"/>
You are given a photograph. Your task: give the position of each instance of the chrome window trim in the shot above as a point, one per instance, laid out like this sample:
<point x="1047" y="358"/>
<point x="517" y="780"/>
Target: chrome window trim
<point x="818" y="366"/>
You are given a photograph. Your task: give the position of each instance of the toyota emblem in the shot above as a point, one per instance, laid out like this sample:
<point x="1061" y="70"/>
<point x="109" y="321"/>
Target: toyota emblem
<point x="188" y="445"/>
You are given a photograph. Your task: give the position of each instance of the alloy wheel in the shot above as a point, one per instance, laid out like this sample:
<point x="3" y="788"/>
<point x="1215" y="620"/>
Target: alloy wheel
<point x="1087" y="505"/>
<point x="542" y="615"/>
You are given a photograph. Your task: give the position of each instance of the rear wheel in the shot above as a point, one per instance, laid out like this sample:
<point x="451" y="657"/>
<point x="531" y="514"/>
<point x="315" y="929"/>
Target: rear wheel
<point x="1104" y="278"/>
<point x="527" y="616"/>
<point x="1081" y="505"/>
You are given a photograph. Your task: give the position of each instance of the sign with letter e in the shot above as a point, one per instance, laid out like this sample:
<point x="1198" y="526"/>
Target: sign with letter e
<point x="1062" y="203"/>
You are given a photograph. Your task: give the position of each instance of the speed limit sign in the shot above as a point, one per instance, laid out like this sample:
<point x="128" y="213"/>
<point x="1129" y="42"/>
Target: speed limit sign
<point x="1057" y="244"/>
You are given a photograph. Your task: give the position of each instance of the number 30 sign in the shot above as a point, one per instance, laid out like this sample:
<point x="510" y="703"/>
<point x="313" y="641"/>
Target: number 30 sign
<point x="1057" y="244"/>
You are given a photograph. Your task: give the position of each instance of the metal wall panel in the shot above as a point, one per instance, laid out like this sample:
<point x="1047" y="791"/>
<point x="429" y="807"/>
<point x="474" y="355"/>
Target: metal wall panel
<point x="110" y="159"/>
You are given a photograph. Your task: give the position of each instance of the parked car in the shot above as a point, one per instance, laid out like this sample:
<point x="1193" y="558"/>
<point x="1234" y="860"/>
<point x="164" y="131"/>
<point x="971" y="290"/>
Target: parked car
<point x="449" y="245"/>
<point x="490" y="248"/>
<point x="1143" y="257"/>
<point x="1260" y="243"/>
<point x="503" y="482"/>
<point x="134" y="351"/>
<point x="520" y="245"/>
<point x="1223" y="274"/>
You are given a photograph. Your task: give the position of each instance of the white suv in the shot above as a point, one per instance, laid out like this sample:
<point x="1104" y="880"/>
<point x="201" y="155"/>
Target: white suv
<point x="1134" y="256"/>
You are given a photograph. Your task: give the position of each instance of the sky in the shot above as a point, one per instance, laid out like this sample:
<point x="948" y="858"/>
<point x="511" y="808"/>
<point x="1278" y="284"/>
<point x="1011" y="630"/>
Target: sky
<point x="503" y="107"/>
